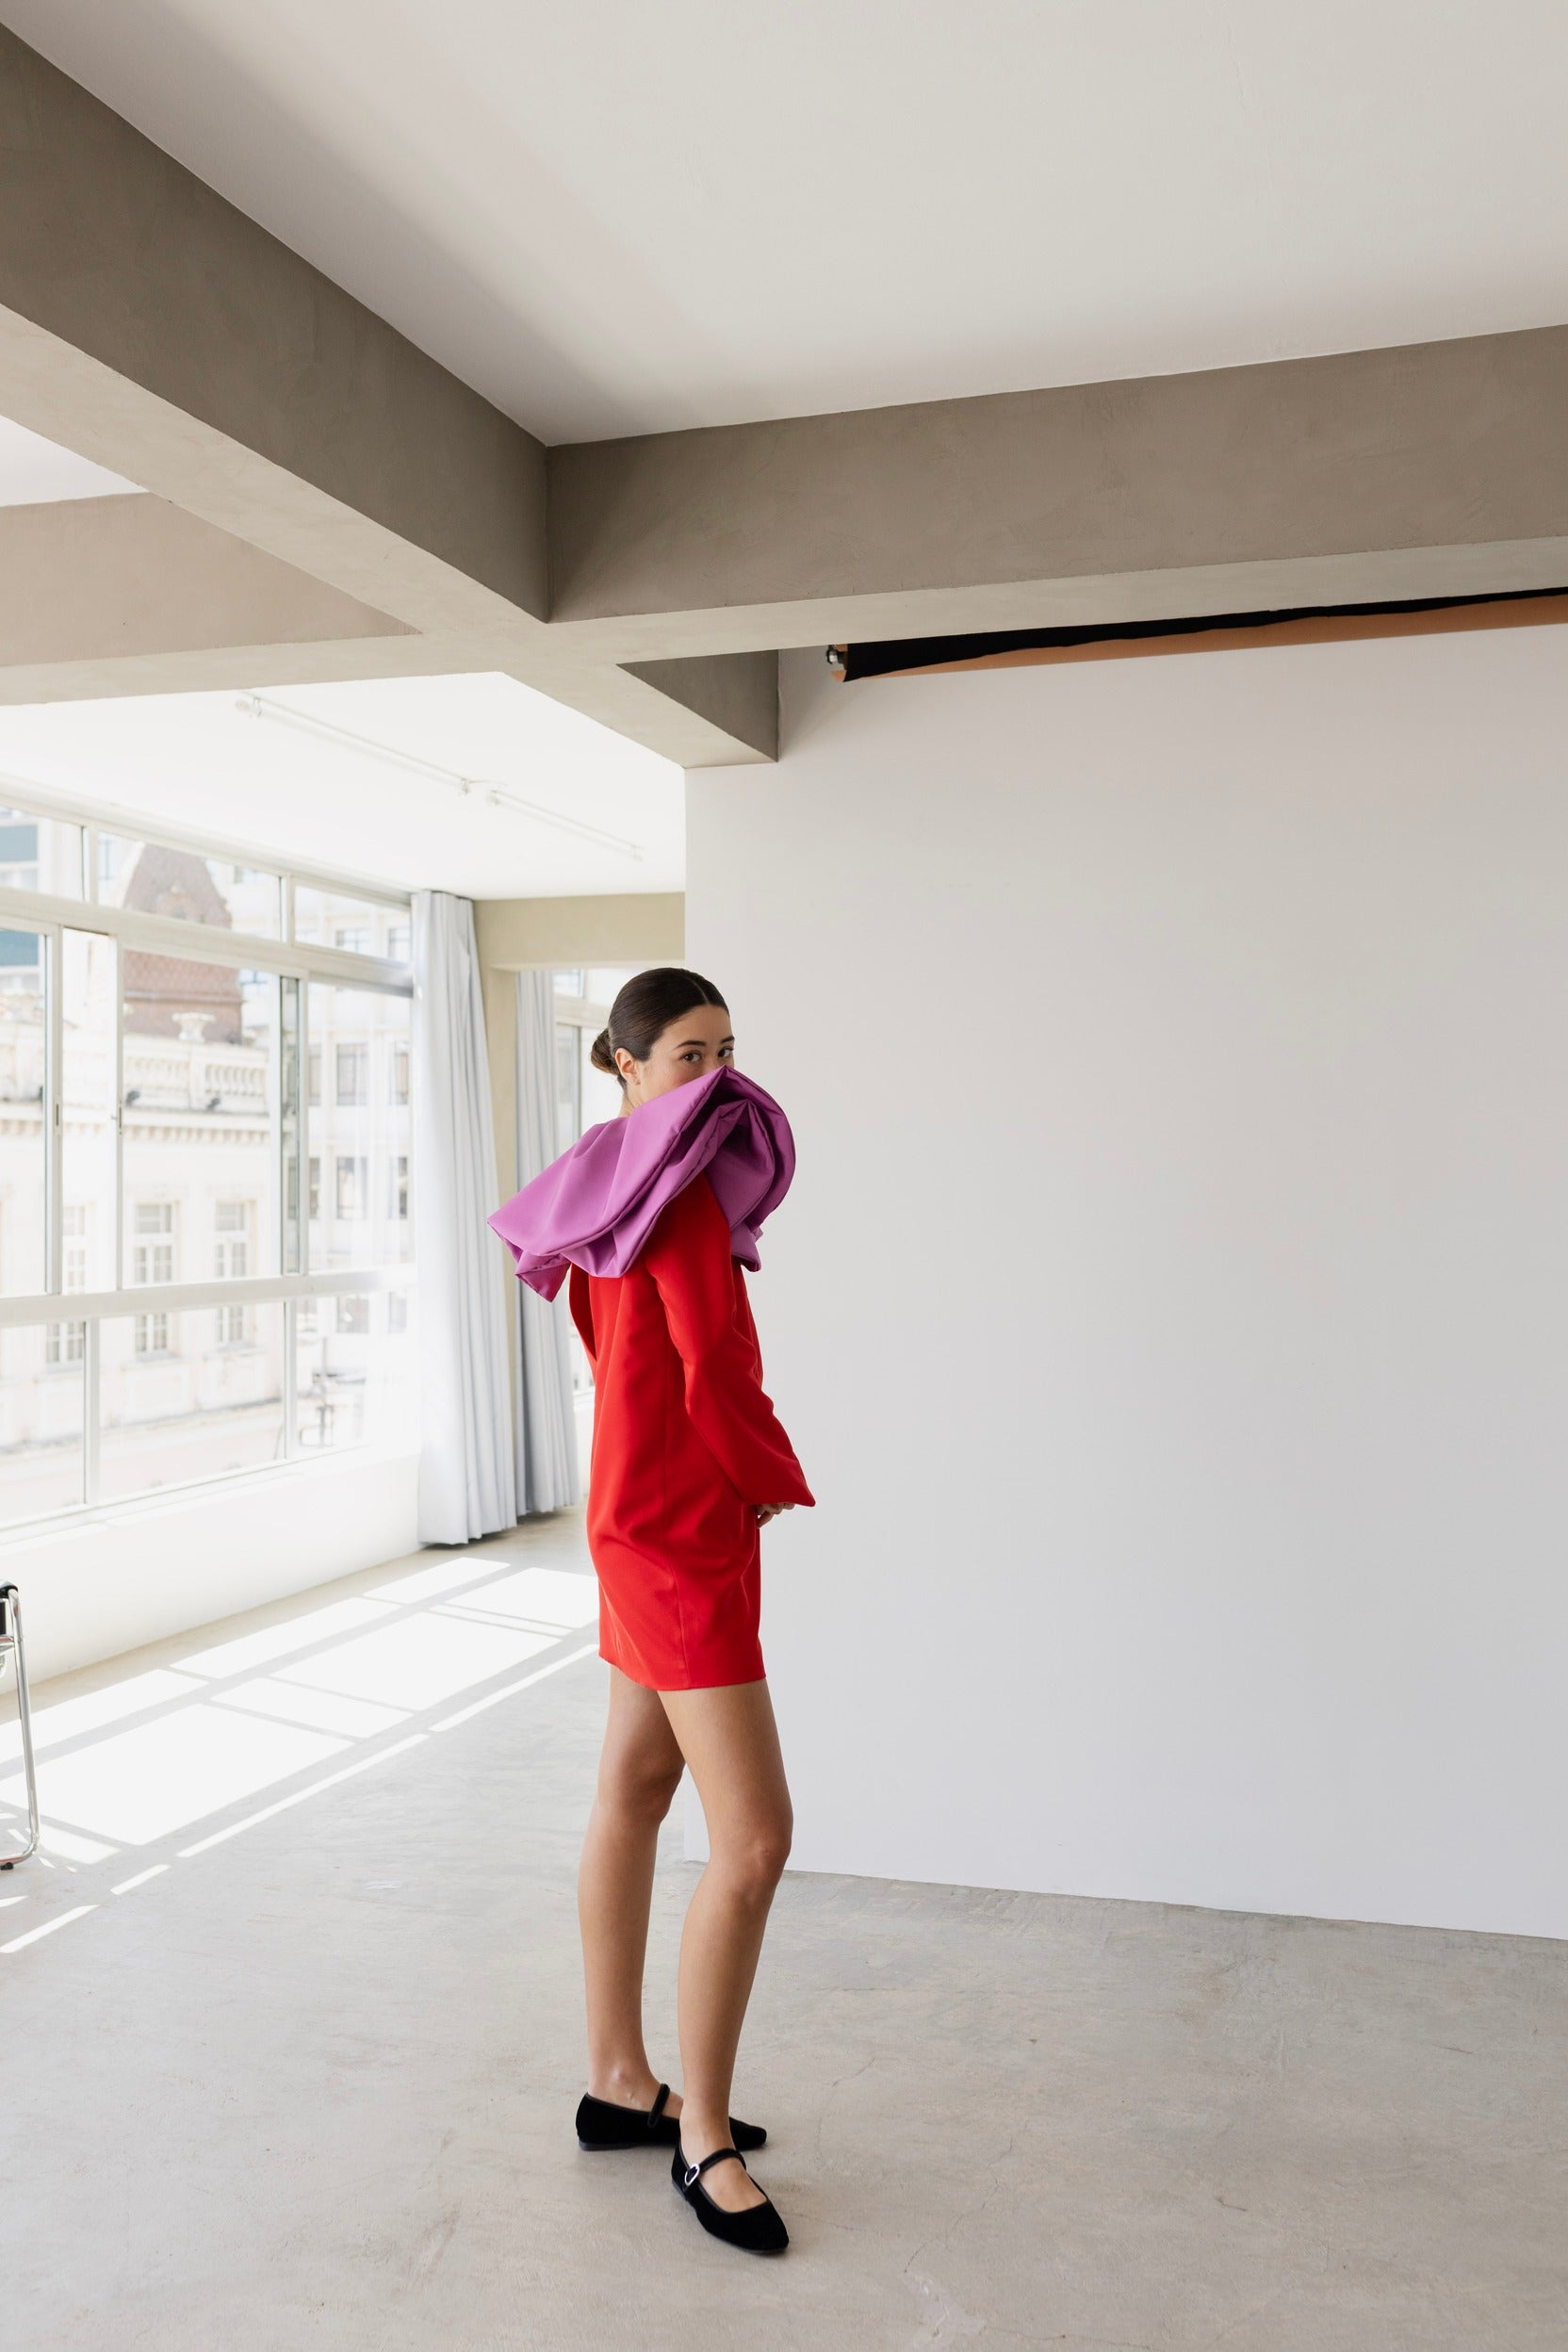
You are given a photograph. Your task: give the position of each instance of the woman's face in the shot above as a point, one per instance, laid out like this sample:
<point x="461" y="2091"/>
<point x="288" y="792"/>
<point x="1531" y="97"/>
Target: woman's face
<point x="699" y="1042"/>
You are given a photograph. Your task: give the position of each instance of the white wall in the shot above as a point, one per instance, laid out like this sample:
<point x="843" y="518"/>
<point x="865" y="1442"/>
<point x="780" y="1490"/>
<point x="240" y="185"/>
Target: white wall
<point x="1171" y="1312"/>
<point x="120" y="1577"/>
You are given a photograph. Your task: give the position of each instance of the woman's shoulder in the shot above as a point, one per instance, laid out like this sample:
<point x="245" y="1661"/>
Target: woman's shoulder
<point x="691" y="1214"/>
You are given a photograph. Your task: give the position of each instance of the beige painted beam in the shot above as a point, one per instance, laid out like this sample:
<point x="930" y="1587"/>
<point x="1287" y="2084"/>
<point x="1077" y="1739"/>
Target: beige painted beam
<point x="94" y="593"/>
<point x="626" y="927"/>
<point x="1439" y="469"/>
<point x="111" y="247"/>
<point x="738" y="692"/>
<point x="147" y="323"/>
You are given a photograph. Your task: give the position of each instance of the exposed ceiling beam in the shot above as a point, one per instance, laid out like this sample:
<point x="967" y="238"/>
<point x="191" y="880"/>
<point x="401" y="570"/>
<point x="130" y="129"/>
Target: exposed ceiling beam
<point x="250" y="389"/>
<point x="1435" y="469"/>
<point x="147" y="323"/>
<point x="126" y="594"/>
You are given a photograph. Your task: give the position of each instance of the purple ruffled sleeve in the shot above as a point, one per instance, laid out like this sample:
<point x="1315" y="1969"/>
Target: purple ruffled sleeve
<point x="596" y="1206"/>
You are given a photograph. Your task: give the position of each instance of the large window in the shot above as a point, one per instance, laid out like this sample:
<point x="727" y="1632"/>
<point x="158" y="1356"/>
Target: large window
<point x="356" y="1129"/>
<point x="25" y="988"/>
<point x="205" y="1149"/>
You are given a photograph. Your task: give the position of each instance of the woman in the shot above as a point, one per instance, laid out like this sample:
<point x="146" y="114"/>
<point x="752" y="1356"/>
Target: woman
<point x="653" y="1215"/>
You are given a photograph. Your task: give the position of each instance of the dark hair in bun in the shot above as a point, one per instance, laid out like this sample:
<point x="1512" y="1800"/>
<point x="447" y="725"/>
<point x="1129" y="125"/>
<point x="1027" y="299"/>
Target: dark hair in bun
<point x="645" y="1010"/>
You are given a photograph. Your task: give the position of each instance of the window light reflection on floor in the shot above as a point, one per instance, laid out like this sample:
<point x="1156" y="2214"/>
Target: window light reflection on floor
<point x="137" y="1785"/>
<point x="537" y="1596"/>
<point x="341" y="1676"/>
<point x="251" y="1650"/>
<point x="418" y="1662"/>
<point x="429" y="1584"/>
<point x="317" y="1710"/>
<point x="64" y="1845"/>
<point x="69" y="1718"/>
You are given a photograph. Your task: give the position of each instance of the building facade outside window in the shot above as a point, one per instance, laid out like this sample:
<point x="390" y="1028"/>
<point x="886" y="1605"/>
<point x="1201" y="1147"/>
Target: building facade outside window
<point x="153" y="1255"/>
<point x="231" y="1253"/>
<point x="74" y="1229"/>
<point x="353" y="1073"/>
<point x="351" y="1185"/>
<point x="151" y="1334"/>
<point x="169" y="1014"/>
<point x="66" y="1343"/>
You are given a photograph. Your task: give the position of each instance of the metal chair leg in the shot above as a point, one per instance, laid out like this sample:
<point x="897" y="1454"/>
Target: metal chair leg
<point x="10" y="1642"/>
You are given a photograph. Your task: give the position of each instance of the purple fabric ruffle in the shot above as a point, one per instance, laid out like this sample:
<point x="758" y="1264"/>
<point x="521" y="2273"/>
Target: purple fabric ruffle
<point x="596" y="1206"/>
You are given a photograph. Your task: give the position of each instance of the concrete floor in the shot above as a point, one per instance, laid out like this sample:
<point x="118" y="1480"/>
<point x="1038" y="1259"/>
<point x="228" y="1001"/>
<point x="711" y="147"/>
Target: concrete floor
<point x="313" y="2085"/>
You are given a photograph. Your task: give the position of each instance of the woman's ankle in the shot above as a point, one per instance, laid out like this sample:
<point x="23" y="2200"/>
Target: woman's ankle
<point x="701" y="2134"/>
<point x="629" y="2083"/>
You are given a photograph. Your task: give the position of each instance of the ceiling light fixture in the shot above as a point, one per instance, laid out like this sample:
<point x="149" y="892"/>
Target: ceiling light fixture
<point x="494" y="795"/>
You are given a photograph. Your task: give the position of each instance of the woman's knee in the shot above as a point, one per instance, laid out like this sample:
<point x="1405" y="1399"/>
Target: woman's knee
<point x="642" y="1791"/>
<point x="752" y="1857"/>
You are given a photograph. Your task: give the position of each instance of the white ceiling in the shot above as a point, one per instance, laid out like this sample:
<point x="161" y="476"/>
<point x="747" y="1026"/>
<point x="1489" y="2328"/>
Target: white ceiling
<point x="35" y="472"/>
<point x="613" y="217"/>
<point x="199" y="762"/>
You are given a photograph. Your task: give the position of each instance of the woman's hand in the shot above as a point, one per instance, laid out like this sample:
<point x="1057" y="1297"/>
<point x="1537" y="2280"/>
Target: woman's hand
<point x="770" y="1511"/>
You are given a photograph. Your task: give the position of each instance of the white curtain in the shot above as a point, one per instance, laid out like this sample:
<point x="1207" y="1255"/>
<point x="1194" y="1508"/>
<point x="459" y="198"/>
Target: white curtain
<point x="467" y="1486"/>
<point x="546" y="1427"/>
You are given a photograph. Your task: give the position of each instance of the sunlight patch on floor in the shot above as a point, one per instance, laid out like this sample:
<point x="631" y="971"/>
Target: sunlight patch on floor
<point x="138" y="1785"/>
<point x="238" y="1718"/>
<point x="442" y="1575"/>
<point x="318" y="1710"/>
<point x="68" y="1718"/>
<point x="539" y="1597"/>
<point x="61" y="1843"/>
<point x="418" y="1661"/>
<point x="251" y="1650"/>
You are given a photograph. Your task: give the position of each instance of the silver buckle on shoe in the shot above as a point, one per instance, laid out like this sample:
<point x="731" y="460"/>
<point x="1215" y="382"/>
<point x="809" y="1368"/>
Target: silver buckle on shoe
<point x="692" y="2172"/>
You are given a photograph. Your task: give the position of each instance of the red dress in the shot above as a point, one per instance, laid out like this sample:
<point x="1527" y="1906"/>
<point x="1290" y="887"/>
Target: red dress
<point x="685" y="1444"/>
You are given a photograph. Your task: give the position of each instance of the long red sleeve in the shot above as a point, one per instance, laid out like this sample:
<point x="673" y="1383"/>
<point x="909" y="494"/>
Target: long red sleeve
<point x="701" y="1290"/>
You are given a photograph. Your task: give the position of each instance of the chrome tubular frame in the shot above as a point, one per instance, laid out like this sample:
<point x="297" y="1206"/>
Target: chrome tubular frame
<point x="10" y="1642"/>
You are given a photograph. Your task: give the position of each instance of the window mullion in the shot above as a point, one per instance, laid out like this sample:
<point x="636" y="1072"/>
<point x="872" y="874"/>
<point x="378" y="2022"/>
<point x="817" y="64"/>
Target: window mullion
<point x="290" y="1379"/>
<point x="53" y="1112"/>
<point x="119" y="1068"/>
<point x="91" y="1410"/>
<point x="302" y="1137"/>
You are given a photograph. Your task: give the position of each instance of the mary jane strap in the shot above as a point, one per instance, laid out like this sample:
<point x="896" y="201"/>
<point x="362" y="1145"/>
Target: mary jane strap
<point x="695" y="2172"/>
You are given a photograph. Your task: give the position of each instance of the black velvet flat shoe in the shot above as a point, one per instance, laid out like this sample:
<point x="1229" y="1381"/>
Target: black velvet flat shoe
<point x="759" y="2229"/>
<point x="601" y="2124"/>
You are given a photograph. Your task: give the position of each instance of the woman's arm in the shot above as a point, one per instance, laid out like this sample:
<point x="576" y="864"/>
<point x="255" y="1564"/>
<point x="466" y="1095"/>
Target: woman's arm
<point x="687" y="1256"/>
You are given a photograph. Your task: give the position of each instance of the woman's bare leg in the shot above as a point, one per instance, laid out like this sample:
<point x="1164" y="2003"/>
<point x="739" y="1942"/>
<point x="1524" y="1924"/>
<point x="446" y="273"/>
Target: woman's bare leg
<point x="640" y="1770"/>
<point x="729" y="1737"/>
